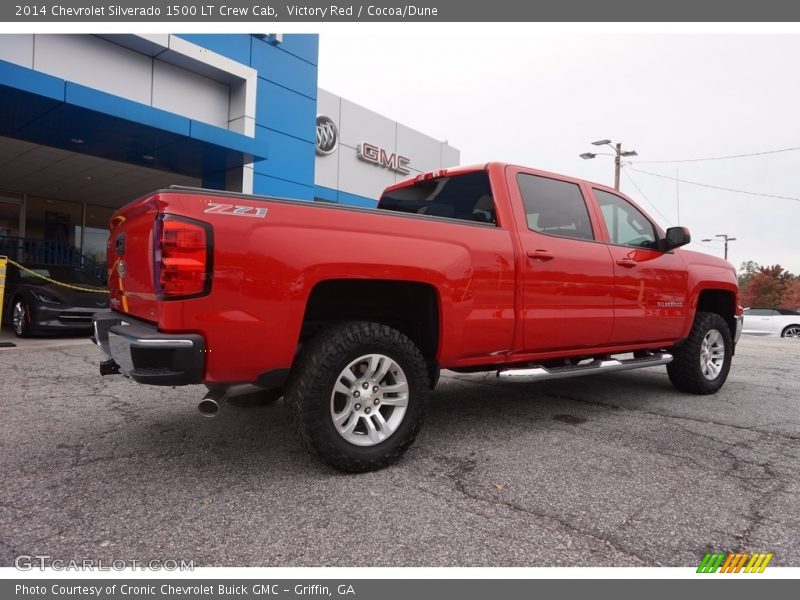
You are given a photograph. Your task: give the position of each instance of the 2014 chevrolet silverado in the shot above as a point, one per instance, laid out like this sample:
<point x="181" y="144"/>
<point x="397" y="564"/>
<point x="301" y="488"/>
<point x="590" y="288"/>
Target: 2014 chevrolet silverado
<point x="349" y="313"/>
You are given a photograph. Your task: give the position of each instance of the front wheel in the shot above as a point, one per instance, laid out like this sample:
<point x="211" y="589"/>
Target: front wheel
<point x="357" y="396"/>
<point x="20" y="319"/>
<point x="701" y="364"/>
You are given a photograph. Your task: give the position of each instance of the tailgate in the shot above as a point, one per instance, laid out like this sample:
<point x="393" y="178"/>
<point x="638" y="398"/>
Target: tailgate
<point x="130" y="259"/>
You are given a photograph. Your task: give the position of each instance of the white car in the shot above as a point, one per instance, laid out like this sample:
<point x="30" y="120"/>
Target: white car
<point x="772" y="321"/>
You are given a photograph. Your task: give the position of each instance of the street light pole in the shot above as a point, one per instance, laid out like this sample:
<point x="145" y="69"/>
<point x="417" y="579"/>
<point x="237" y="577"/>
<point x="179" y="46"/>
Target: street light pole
<point x="725" y="239"/>
<point x="618" y="154"/>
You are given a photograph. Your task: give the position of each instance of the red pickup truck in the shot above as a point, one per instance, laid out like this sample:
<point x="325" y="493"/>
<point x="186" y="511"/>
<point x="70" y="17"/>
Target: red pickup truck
<point x="349" y="313"/>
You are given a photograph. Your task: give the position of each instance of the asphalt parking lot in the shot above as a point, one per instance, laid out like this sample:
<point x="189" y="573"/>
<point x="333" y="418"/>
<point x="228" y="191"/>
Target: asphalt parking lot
<point x="610" y="470"/>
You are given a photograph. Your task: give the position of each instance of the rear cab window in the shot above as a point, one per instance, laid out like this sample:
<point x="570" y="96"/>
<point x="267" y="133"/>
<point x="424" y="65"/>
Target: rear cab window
<point x="555" y="207"/>
<point x="463" y="197"/>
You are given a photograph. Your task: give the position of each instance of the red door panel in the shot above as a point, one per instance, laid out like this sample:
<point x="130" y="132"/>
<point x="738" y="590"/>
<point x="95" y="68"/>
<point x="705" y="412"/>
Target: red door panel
<point x="650" y="286"/>
<point x="650" y="289"/>
<point x="568" y="293"/>
<point x="567" y="274"/>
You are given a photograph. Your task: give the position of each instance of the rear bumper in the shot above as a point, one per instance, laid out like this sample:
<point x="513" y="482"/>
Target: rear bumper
<point x="146" y="355"/>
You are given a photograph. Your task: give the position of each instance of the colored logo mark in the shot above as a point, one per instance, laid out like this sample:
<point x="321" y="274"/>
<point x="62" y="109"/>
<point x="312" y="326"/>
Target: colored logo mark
<point x="735" y="562"/>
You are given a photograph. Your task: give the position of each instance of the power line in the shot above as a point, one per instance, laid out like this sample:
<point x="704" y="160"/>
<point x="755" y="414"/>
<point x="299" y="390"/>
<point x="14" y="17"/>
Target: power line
<point x="628" y="175"/>
<point x="689" y="160"/>
<point x="655" y="208"/>
<point x="717" y="187"/>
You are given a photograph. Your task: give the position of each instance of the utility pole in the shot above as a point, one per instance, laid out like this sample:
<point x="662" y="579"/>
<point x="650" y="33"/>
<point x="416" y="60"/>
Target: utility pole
<point x="725" y="239"/>
<point x="618" y="154"/>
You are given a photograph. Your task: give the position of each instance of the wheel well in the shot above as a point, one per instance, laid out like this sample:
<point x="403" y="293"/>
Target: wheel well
<point x="790" y="325"/>
<point x="720" y="302"/>
<point x="409" y="307"/>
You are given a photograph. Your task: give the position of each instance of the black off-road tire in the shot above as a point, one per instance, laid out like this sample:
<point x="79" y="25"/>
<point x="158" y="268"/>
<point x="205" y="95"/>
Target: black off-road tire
<point x="308" y="394"/>
<point x="685" y="371"/>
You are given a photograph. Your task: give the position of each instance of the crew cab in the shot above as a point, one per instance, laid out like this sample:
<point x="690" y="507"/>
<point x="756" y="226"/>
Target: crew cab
<point x="350" y="313"/>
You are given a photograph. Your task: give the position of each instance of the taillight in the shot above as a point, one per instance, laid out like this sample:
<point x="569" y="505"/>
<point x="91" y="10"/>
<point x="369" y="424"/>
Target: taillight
<point x="183" y="257"/>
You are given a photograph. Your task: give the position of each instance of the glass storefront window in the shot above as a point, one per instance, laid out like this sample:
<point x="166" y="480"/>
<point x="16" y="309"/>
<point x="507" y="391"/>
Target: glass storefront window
<point x="53" y="220"/>
<point x="95" y="236"/>
<point x="9" y="218"/>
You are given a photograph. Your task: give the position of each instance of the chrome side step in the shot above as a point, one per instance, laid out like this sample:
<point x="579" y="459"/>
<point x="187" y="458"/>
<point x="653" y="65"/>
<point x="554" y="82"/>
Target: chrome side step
<point x="607" y="365"/>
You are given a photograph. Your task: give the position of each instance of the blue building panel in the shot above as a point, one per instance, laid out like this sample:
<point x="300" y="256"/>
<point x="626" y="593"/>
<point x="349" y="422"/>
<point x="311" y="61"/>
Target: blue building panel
<point x="325" y="193"/>
<point x="48" y="110"/>
<point x="31" y="81"/>
<point x="231" y="45"/>
<point x="286" y="111"/>
<point x="272" y="186"/>
<point x="228" y="139"/>
<point x="331" y="195"/>
<point x="302" y="45"/>
<point x="355" y="200"/>
<point x="289" y="158"/>
<point x="282" y="68"/>
<point x="129" y="110"/>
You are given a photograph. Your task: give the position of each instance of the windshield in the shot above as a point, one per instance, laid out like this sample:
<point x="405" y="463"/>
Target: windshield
<point x="466" y="197"/>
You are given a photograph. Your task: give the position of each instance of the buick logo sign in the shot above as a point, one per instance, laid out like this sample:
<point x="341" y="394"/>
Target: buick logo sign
<point x="327" y="135"/>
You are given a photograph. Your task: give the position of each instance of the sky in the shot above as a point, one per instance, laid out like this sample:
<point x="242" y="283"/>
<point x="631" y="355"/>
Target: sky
<point x="506" y="94"/>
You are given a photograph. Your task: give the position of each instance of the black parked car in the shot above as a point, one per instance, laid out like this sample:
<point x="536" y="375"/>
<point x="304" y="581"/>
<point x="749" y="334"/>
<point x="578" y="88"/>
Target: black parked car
<point x="32" y="305"/>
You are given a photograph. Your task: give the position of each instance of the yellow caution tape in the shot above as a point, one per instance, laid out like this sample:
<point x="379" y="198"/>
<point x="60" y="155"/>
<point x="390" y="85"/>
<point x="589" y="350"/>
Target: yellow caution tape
<point x="3" y="261"/>
<point x="61" y="283"/>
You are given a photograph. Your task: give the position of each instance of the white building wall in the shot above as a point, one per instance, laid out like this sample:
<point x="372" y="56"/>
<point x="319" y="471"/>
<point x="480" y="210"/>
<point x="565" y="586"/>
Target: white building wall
<point x="162" y="71"/>
<point x="343" y="170"/>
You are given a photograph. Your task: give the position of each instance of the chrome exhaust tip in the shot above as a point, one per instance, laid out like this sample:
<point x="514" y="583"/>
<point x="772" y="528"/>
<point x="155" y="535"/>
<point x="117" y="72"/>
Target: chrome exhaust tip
<point x="209" y="406"/>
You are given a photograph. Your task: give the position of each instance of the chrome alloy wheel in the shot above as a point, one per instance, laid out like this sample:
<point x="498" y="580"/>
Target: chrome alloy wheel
<point x="369" y="400"/>
<point x="712" y="354"/>
<point x="792" y="332"/>
<point x="18" y="318"/>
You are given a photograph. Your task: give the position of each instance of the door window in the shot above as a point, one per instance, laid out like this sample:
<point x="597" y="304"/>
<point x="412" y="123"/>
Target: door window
<point x="555" y="207"/>
<point x="761" y="312"/>
<point x="627" y="226"/>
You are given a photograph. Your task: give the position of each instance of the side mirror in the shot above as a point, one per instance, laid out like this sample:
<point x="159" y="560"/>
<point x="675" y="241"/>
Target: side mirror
<point x="675" y="238"/>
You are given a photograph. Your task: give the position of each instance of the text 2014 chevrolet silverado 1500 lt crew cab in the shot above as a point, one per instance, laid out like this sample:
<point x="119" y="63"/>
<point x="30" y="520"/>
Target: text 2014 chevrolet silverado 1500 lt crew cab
<point x="350" y="313"/>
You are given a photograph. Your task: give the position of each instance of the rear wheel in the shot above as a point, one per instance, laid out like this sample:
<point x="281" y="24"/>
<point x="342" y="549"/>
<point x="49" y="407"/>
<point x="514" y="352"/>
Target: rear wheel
<point x="357" y="398"/>
<point x="20" y="319"/>
<point x="702" y="362"/>
<point x="792" y="331"/>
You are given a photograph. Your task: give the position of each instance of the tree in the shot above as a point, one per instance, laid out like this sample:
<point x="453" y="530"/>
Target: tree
<point x="764" y="286"/>
<point x="747" y="270"/>
<point x="791" y="295"/>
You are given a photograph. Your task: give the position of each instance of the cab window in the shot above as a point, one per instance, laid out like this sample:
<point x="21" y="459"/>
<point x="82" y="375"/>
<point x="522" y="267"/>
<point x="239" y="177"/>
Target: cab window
<point x="466" y="197"/>
<point x="555" y="207"/>
<point x="627" y="226"/>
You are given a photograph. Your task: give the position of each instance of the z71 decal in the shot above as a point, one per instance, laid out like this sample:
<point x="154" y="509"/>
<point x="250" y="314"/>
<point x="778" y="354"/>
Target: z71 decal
<point x="214" y="208"/>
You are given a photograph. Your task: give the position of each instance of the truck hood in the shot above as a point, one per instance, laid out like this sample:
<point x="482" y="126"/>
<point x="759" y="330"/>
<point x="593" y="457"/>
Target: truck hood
<point x="709" y="265"/>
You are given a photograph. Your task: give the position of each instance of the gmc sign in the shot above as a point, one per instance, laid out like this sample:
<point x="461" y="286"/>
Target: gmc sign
<point x="378" y="156"/>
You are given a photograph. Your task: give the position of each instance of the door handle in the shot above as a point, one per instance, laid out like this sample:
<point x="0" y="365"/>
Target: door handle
<point x="540" y="255"/>
<point x="626" y="262"/>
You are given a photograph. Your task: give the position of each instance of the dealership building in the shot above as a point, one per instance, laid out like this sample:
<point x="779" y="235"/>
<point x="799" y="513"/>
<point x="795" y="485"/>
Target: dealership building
<point x="88" y="123"/>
